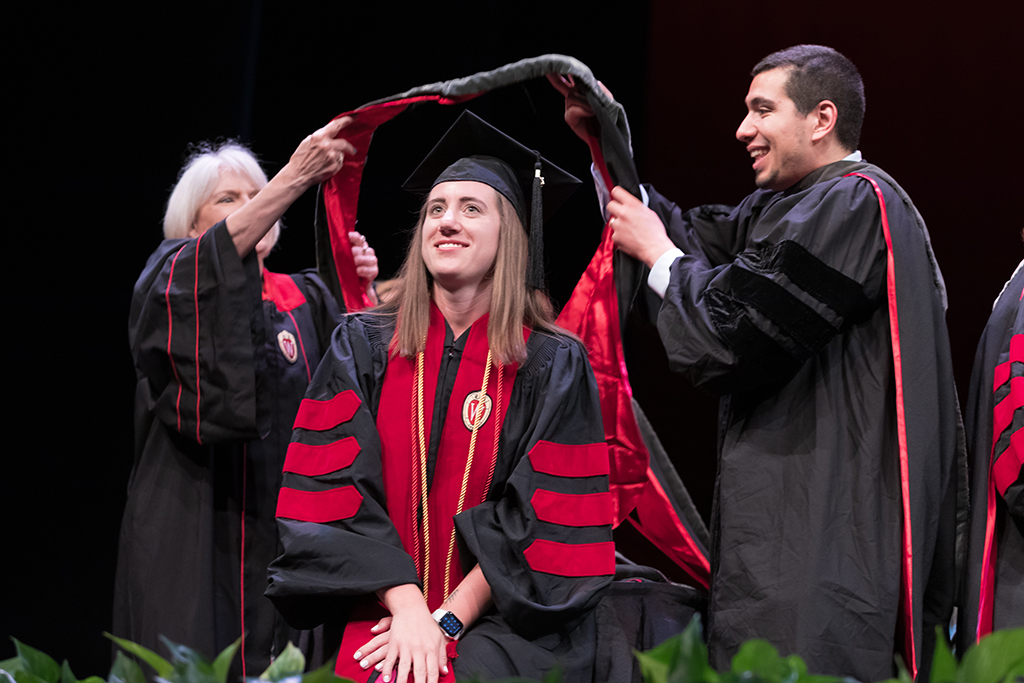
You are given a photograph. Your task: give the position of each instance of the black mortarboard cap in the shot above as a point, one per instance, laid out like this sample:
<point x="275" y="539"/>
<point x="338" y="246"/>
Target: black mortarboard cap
<point x="472" y="149"/>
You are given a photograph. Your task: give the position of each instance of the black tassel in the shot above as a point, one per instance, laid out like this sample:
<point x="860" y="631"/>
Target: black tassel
<point x="535" y="268"/>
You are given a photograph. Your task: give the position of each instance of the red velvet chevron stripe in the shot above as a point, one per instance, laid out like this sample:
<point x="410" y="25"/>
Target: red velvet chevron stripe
<point x="319" y="506"/>
<point x="322" y="415"/>
<point x="1004" y="469"/>
<point x="573" y="509"/>
<point x="1006" y="466"/>
<point x="561" y="460"/>
<point x="571" y="559"/>
<point x="313" y="461"/>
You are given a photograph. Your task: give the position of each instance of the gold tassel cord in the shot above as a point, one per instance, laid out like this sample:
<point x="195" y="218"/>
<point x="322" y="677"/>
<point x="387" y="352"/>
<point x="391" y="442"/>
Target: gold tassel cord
<point x="477" y="419"/>
<point x="497" y="433"/>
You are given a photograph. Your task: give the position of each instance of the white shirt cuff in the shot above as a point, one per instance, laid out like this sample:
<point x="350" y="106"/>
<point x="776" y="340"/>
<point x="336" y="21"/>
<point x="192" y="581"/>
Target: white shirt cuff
<point x="660" y="272"/>
<point x="603" y="196"/>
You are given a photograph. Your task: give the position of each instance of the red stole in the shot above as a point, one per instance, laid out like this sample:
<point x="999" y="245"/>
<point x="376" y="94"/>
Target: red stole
<point x="398" y="424"/>
<point x="400" y="456"/>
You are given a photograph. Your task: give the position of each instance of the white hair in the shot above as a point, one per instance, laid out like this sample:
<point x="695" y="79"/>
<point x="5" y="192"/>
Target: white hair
<point x="198" y="178"/>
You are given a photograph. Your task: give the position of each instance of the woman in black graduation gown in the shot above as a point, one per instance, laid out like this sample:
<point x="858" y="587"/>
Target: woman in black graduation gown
<point x="449" y="463"/>
<point x="223" y="351"/>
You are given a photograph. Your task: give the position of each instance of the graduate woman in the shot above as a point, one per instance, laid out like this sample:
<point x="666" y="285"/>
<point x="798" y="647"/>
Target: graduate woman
<point x="446" y="491"/>
<point x="223" y="352"/>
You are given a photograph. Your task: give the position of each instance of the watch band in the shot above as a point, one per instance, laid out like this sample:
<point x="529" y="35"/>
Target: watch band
<point x="448" y="623"/>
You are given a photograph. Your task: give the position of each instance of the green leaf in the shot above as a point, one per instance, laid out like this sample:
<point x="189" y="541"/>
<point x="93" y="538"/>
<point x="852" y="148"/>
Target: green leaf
<point x="189" y="665"/>
<point x="161" y="666"/>
<point x="680" y="659"/>
<point x="289" y="663"/>
<point x="66" y="676"/>
<point x="943" y="661"/>
<point x="222" y="664"/>
<point x="39" y="664"/>
<point x="27" y="677"/>
<point x="126" y="670"/>
<point x="760" y="658"/>
<point x="997" y="656"/>
<point x="325" y="674"/>
<point x="652" y="668"/>
<point x="11" y="665"/>
<point x="554" y="676"/>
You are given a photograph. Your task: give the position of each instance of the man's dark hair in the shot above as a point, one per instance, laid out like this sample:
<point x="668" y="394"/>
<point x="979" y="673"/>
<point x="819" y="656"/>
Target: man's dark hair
<point x="819" y="73"/>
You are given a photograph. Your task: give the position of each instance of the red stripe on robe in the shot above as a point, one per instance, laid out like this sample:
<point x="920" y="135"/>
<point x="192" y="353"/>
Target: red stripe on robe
<point x="319" y="506"/>
<point x="561" y="460"/>
<point x="571" y="559"/>
<point x="573" y="509"/>
<point x="907" y="594"/>
<point x="322" y="415"/>
<point x="313" y="461"/>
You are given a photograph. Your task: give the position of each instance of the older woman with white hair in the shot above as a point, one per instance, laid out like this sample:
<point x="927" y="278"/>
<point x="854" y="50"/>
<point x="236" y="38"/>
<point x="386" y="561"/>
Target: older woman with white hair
<point x="223" y="351"/>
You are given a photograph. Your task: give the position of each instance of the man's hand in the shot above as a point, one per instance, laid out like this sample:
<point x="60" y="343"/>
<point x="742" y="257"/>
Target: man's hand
<point x="636" y="229"/>
<point x="578" y="113"/>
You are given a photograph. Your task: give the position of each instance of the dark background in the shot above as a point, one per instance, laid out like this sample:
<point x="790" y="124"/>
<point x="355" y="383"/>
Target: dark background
<point x="113" y="98"/>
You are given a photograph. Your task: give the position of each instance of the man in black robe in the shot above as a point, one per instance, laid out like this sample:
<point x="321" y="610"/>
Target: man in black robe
<point x="815" y="310"/>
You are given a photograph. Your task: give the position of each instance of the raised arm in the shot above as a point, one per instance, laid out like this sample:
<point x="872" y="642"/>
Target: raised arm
<point x="318" y="157"/>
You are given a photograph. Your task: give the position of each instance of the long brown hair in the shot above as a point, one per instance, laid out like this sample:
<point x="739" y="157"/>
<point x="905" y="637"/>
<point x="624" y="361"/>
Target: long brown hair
<point x="513" y="304"/>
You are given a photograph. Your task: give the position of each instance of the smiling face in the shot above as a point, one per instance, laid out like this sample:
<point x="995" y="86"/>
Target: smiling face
<point x="232" y="191"/>
<point x="460" y="233"/>
<point x="777" y="136"/>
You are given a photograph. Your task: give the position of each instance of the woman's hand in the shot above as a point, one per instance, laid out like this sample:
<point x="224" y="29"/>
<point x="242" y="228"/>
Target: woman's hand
<point x="412" y="638"/>
<point x="366" y="263"/>
<point x="320" y="155"/>
<point x="372" y="653"/>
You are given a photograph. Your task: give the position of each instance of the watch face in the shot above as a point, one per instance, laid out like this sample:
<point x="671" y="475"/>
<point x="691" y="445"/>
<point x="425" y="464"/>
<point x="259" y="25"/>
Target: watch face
<point x="450" y="624"/>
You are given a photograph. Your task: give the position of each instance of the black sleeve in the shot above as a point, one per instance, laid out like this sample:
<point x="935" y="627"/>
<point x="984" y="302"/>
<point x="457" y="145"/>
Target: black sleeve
<point x="326" y="315"/>
<point x="195" y="323"/>
<point x="809" y="267"/>
<point x="545" y="543"/>
<point x="342" y="543"/>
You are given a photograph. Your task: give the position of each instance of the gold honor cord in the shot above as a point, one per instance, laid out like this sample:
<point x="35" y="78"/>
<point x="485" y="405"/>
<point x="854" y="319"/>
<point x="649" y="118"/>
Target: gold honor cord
<point x="477" y="419"/>
<point x="497" y="433"/>
<point x="421" y="439"/>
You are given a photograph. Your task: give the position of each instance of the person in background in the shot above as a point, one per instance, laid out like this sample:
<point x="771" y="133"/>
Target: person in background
<point x="994" y="596"/>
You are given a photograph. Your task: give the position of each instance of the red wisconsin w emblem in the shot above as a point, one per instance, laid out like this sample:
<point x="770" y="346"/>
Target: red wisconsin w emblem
<point x="476" y="402"/>
<point x="286" y="342"/>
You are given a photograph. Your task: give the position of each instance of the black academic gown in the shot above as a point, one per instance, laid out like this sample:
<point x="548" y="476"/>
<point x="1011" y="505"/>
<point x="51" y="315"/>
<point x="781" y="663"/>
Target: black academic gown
<point x="541" y="615"/>
<point x="997" y="516"/>
<point x="221" y="372"/>
<point x="780" y="307"/>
